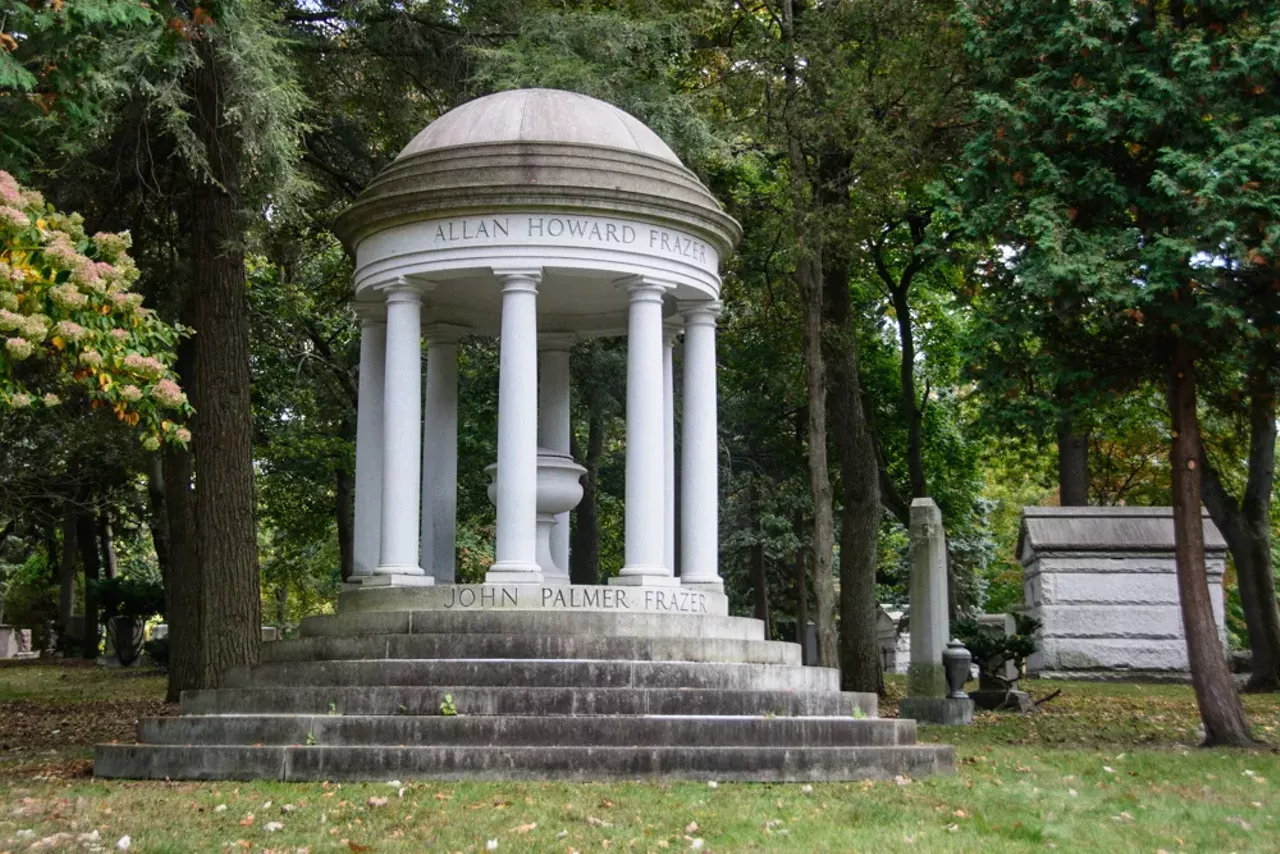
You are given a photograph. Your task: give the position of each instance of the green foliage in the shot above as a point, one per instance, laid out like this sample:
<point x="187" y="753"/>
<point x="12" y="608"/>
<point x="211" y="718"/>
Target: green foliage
<point x="157" y="649"/>
<point x="991" y="647"/>
<point x="31" y="597"/>
<point x="447" y="707"/>
<point x="129" y="597"/>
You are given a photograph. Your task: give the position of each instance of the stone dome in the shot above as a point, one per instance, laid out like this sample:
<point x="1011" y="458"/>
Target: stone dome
<point x="537" y="149"/>
<point x="539" y="116"/>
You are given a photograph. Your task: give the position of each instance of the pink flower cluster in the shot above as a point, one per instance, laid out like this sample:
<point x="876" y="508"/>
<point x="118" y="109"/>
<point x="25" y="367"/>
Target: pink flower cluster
<point x="68" y="295"/>
<point x="63" y="254"/>
<point x="92" y="358"/>
<point x="70" y="330"/>
<point x="10" y="192"/>
<point x="131" y="393"/>
<point x="14" y="217"/>
<point x="145" y="365"/>
<point x="167" y="393"/>
<point x="19" y="348"/>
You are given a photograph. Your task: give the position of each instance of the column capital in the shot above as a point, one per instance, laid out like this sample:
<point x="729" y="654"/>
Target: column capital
<point x="556" y="341"/>
<point x="444" y="333"/>
<point x="643" y="288"/>
<point x="518" y="278"/>
<point x="672" y="327"/>
<point x="700" y="311"/>
<point x="370" y="313"/>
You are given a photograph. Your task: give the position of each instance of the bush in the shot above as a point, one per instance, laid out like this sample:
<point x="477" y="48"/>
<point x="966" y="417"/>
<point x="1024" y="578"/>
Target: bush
<point x="991" y="647"/>
<point x="130" y="597"/>
<point x="158" y="650"/>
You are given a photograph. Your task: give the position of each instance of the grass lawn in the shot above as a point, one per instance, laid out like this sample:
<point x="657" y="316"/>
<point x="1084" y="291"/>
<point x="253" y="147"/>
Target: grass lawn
<point x="1100" y="768"/>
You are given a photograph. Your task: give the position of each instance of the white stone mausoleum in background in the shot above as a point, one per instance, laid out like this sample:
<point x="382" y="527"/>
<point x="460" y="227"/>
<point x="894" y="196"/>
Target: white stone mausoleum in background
<point x="1104" y="583"/>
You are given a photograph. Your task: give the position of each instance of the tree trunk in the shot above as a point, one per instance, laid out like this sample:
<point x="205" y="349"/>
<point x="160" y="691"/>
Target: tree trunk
<point x="226" y="537"/>
<point x="912" y="410"/>
<point x="808" y="275"/>
<point x="1073" y="465"/>
<point x="1247" y="529"/>
<point x="860" y="665"/>
<point x="584" y="550"/>
<point x="1220" y="707"/>
<point x="182" y="585"/>
<point x="759" y="570"/>
<point x="802" y="590"/>
<point x="106" y="541"/>
<point x="67" y="576"/>
<point x="92" y="572"/>
<point x="158" y="520"/>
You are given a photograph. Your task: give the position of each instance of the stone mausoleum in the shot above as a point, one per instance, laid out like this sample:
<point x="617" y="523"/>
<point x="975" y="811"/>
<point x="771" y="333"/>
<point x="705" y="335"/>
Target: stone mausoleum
<point x="537" y="217"/>
<point x="1104" y="583"/>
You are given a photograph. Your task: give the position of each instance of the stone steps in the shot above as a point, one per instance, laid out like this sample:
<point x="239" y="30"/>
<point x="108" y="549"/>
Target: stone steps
<point x="564" y="763"/>
<point x="540" y="623"/>
<point x="537" y="673"/>
<point x="502" y="700"/>
<point x="527" y="731"/>
<point x="522" y="646"/>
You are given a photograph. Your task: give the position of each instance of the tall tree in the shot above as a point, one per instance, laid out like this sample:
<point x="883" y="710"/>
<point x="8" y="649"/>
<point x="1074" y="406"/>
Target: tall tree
<point x="1102" y="144"/>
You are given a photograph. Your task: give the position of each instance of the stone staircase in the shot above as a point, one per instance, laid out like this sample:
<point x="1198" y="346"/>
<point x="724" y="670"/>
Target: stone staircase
<point x="539" y="695"/>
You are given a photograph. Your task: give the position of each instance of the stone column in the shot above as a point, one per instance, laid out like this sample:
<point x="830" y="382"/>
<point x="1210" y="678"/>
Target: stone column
<point x="927" y="588"/>
<point x="699" y="481"/>
<point x="516" y="488"/>
<point x="402" y="438"/>
<point x="645" y="559"/>
<point x="368" y="517"/>
<point x="671" y="330"/>
<point x="440" y="453"/>
<point x="554" y="423"/>
<point x="930" y="623"/>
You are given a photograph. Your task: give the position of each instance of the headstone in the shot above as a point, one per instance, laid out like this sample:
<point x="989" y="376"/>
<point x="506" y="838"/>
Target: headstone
<point x="160" y="631"/>
<point x="270" y="633"/>
<point x="895" y="645"/>
<point x="8" y="642"/>
<point x="1103" y="581"/>
<point x="927" y="698"/>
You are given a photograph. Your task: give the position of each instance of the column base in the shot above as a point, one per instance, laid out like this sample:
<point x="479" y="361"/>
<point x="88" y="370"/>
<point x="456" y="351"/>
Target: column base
<point x="645" y="576"/>
<point x="710" y="585"/>
<point x="513" y="572"/>
<point x="396" y="579"/>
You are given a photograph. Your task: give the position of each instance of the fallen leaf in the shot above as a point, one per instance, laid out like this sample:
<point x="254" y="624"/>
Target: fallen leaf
<point x="524" y="828"/>
<point x="377" y="802"/>
<point x="691" y="827"/>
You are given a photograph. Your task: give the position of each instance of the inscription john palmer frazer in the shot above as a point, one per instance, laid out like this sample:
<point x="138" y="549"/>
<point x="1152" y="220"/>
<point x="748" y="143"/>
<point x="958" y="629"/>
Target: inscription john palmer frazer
<point x="481" y="597"/>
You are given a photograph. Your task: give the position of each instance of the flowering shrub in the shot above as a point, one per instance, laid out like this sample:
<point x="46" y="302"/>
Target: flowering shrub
<point x="72" y="329"/>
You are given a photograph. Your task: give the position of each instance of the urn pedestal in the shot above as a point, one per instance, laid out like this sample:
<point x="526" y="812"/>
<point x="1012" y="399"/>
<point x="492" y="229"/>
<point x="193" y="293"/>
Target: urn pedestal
<point x="559" y="489"/>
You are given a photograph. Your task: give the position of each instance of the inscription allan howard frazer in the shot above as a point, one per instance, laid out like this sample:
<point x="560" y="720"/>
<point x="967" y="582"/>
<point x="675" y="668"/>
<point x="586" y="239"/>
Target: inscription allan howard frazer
<point x="660" y="240"/>
<point x="479" y="597"/>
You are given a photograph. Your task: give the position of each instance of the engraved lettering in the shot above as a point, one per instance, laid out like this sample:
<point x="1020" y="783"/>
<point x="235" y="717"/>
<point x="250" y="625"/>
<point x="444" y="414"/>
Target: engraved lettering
<point x="467" y="597"/>
<point x="453" y="593"/>
<point x="628" y="234"/>
<point x="559" y="603"/>
<point x="547" y="593"/>
<point x="622" y="598"/>
<point x="501" y="225"/>
<point x="535" y="227"/>
<point x="508" y="597"/>
<point x="577" y="227"/>
<point x="591" y="598"/>
<point x="555" y="227"/>
<point x="440" y="238"/>
<point x="488" y="597"/>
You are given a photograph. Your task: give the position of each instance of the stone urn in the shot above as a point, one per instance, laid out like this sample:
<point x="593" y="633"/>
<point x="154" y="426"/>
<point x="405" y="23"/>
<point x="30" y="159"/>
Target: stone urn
<point x="559" y="489"/>
<point x="955" y="663"/>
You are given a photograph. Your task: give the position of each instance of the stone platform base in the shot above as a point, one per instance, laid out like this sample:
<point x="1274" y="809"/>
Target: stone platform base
<point x="537" y="693"/>
<point x="937" y="710"/>
<point x="999" y="699"/>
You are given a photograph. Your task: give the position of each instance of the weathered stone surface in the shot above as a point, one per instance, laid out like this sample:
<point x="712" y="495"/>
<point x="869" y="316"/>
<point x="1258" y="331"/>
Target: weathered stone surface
<point x="536" y="622"/>
<point x="439" y="646"/>
<point x="937" y="710"/>
<point x="1103" y="581"/>
<point x="537" y="673"/>
<point x="765" y="764"/>
<point x="675" y="600"/>
<point x="928" y="591"/>
<point x="503" y="700"/>
<point x="529" y="731"/>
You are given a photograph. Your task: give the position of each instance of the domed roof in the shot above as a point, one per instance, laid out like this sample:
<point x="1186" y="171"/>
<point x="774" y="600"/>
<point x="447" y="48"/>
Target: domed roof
<point x="539" y="116"/>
